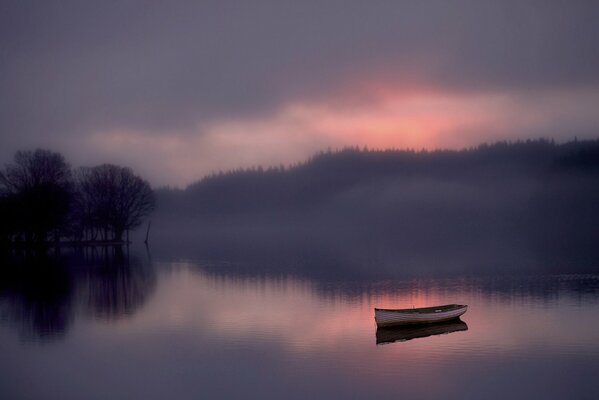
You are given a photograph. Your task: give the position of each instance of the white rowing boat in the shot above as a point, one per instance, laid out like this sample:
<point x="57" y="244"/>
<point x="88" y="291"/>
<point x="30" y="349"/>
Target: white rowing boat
<point x="426" y="315"/>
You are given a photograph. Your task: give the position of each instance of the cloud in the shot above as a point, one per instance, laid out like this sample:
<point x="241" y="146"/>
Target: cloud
<point x="71" y="71"/>
<point x="391" y="119"/>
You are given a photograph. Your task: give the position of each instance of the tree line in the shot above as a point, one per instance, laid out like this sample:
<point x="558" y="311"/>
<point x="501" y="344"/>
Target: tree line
<point x="329" y="174"/>
<point x="42" y="200"/>
<point x="528" y="204"/>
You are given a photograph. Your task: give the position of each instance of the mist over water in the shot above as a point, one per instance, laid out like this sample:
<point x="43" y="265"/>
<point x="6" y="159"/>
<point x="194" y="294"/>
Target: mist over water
<point x="262" y="284"/>
<point x="149" y="328"/>
<point x="526" y="208"/>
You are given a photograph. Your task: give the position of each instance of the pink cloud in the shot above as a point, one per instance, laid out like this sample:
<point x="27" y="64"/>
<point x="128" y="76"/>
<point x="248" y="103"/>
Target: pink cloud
<point x="391" y="118"/>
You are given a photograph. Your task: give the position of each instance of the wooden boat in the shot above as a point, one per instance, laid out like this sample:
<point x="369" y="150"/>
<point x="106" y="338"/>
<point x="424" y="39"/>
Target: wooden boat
<point x="403" y="333"/>
<point x="426" y="315"/>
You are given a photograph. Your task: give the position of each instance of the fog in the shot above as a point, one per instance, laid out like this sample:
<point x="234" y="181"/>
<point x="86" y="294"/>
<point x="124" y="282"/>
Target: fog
<point x="356" y="214"/>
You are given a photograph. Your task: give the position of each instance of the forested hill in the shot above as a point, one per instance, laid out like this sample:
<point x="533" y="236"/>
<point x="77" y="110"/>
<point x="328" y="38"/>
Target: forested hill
<point x="525" y="206"/>
<point x="331" y="174"/>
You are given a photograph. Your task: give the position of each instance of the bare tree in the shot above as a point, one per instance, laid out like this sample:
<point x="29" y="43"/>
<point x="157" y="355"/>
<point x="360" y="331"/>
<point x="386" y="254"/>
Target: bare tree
<point x="39" y="186"/>
<point x="36" y="168"/>
<point x="112" y="200"/>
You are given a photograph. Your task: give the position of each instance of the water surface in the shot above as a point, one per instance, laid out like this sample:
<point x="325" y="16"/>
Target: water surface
<point x="127" y="326"/>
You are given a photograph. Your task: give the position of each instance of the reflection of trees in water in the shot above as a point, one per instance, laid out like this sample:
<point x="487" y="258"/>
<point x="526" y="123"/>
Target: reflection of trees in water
<point x="113" y="284"/>
<point x="36" y="296"/>
<point x="541" y="288"/>
<point x="42" y="295"/>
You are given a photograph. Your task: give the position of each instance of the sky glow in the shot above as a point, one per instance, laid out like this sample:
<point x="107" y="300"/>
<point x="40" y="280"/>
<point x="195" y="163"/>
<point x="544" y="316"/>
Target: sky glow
<point x="179" y="90"/>
<point x="425" y="120"/>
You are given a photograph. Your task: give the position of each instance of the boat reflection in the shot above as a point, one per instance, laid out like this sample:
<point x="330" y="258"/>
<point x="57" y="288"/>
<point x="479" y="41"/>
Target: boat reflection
<point x="388" y="335"/>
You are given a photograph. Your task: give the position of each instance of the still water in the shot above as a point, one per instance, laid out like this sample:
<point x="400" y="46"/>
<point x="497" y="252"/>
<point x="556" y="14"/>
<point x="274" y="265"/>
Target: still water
<point x="117" y="326"/>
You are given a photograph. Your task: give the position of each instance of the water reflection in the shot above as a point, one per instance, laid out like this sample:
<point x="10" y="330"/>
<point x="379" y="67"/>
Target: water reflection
<point x="42" y="295"/>
<point x="115" y="284"/>
<point x="388" y="335"/>
<point x="545" y="288"/>
<point x="36" y="296"/>
<point x="214" y="333"/>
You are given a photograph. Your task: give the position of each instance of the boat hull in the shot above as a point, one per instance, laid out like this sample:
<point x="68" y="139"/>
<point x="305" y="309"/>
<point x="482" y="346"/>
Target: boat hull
<point x="431" y="315"/>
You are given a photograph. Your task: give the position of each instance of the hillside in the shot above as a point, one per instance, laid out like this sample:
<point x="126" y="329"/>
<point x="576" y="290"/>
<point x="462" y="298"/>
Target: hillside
<point x="504" y="204"/>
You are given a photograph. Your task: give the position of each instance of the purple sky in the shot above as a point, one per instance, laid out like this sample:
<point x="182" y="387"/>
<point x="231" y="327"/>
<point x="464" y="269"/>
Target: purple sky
<point x="177" y="89"/>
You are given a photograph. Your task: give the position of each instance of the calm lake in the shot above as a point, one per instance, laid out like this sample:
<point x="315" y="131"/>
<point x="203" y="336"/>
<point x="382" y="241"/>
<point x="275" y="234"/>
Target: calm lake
<point x="125" y="326"/>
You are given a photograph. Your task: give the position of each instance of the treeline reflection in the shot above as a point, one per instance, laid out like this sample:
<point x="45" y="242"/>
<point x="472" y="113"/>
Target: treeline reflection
<point x="540" y="287"/>
<point x="42" y="295"/>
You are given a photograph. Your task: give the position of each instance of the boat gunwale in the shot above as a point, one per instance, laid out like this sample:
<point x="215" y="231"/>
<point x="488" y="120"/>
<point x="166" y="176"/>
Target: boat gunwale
<point x="425" y="310"/>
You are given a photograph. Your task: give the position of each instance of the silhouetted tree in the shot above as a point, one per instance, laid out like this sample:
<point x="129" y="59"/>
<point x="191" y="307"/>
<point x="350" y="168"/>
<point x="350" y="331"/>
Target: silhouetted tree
<point x="8" y="225"/>
<point x="112" y="200"/>
<point x="36" y="192"/>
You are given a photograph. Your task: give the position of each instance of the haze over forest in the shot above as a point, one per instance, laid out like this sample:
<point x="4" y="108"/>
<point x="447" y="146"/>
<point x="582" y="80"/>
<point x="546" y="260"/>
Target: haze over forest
<point x="506" y="206"/>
